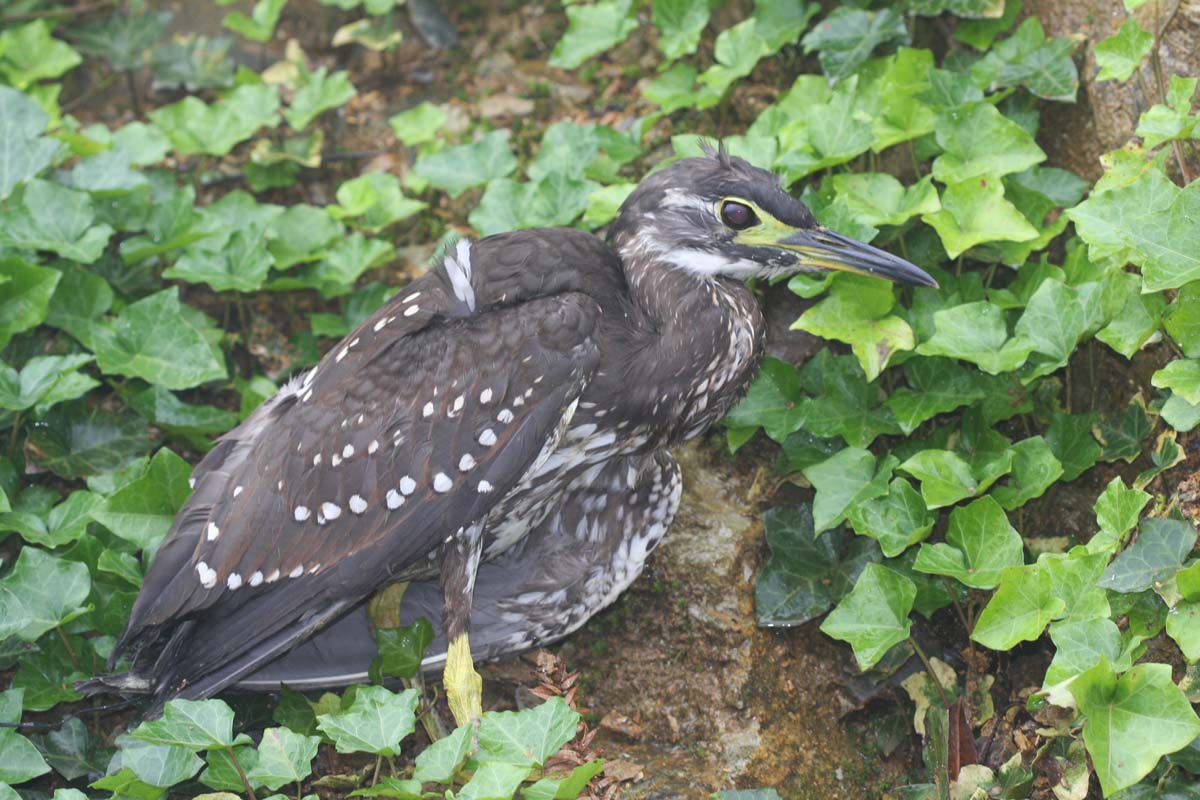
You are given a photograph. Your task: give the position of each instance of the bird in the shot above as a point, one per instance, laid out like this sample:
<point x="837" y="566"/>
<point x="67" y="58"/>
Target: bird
<point x="495" y="437"/>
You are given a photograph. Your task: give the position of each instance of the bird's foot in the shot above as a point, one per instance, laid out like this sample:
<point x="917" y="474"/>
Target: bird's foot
<point x="464" y="687"/>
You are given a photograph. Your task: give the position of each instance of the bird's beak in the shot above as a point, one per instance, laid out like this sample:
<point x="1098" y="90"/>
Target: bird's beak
<point x="823" y="248"/>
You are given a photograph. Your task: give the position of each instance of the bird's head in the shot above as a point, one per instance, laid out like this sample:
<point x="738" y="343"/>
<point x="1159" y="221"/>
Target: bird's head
<point x="721" y="216"/>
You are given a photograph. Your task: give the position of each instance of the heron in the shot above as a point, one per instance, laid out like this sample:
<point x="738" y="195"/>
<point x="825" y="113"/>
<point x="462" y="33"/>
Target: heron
<point x="495" y="437"/>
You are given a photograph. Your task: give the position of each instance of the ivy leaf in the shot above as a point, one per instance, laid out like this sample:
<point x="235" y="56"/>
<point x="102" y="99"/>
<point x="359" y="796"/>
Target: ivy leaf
<point x="220" y="772"/>
<point x="980" y="545"/>
<point x="438" y="762"/>
<point x="847" y="37"/>
<point x="1182" y="320"/>
<point x="979" y="142"/>
<point x="604" y="203"/>
<point x="528" y="737"/>
<point x="975" y="212"/>
<point x="876" y="198"/>
<point x="24" y="152"/>
<point x="1180" y="414"/>
<point x="494" y="780"/>
<point x="938" y="385"/>
<point x="375" y="722"/>
<point x="402" y="649"/>
<point x="43" y="376"/>
<point x="856" y="312"/>
<point x="844" y="479"/>
<point x="846" y="404"/>
<point x="1122" y="433"/>
<point x="896" y="520"/>
<point x="1027" y="58"/>
<point x="28" y="54"/>
<point x="75" y="444"/>
<point x="1131" y="721"/>
<point x="317" y="92"/>
<point x="565" y="788"/>
<point x="679" y="23"/>
<point x="302" y="233"/>
<point x="196" y="128"/>
<point x="19" y="759"/>
<point x="737" y="51"/>
<point x="241" y="263"/>
<point x="1119" y="56"/>
<point x="72" y="750"/>
<point x="1137" y="320"/>
<point x="25" y="291"/>
<point x="1071" y="441"/>
<point x="1054" y="320"/>
<point x="375" y="198"/>
<point x="457" y="169"/>
<point x="1183" y="625"/>
<point x="191" y="724"/>
<point x="592" y="29"/>
<point x="1182" y="377"/>
<point x="40" y="593"/>
<point x="1020" y="610"/>
<point x="123" y="40"/>
<point x="556" y="199"/>
<point x="284" y="757"/>
<point x="141" y="511"/>
<point x="334" y="275"/>
<point x="168" y="412"/>
<point x="55" y="218"/>
<point x="151" y="340"/>
<point x="1079" y="646"/>
<point x="1074" y="578"/>
<point x="977" y="332"/>
<point x="1034" y="469"/>
<point x="806" y="573"/>
<point x="873" y="617"/>
<point x="260" y="25"/>
<point x="419" y="124"/>
<point x="1167" y="123"/>
<point x="1148" y="222"/>
<point x="1161" y="547"/>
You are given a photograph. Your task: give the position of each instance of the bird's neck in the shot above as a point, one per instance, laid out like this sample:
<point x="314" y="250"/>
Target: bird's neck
<point x="697" y="343"/>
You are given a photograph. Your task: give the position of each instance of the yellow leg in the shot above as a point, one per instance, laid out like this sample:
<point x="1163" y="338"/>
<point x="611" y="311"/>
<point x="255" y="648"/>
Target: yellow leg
<point x="464" y="687"/>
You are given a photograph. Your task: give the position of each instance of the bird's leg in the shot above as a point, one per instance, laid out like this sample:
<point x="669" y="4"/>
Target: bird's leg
<point x="460" y="561"/>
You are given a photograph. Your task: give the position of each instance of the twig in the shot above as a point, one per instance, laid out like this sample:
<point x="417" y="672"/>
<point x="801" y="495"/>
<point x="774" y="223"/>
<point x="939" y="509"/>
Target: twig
<point x="70" y="650"/>
<point x="1161" y="81"/>
<point x="962" y="614"/>
<point x="237" y="765"/>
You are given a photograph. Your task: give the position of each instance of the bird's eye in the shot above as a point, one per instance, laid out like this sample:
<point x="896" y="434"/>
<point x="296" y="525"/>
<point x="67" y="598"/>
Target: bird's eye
<point x="738" y="216"/>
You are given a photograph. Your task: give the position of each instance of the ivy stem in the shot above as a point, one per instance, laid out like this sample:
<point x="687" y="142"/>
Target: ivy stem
<point x="237" y="765"/>
<point x="937" y="684"/>
<point x="375" y="775"/>
<point x="70" y="650"/>
<point x="958" y="609"/>
<point x="1161" y="81"/>
<point x="12" y="439"/>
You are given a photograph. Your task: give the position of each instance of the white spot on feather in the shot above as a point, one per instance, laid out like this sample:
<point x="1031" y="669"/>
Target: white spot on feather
<point x="372" y="447"/>
<point x="274" y="576"/>
<point x="357" y="504"/>
<point x="485" y="396"/>
<point x="297" y="572"/>
<point x="407" y="485"/>
<point x="208" y="576"/>
<point x="427" y="410"/>
<point x="257" y="578"/>
<point x="442" y="483"/>
<point x="408" y="312"/>
<point x="505" y="416"/>
<point x="485" y="487"/>
<point x="411" y="297"/>
<point x="234" y="581"/>
<point x="331" y="511"/>
<point x="301" y="513"/>
<point x="394" y="500"/>
<point x="213" y="531"/>
<point x="487" y="438"/>
<point x="238" y="490"/>
<point x="466" y="463"/>
<point x="348" y="451"/>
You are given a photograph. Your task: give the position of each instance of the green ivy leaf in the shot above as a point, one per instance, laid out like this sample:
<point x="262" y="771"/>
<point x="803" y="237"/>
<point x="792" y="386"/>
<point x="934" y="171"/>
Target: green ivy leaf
<point x="191" y="724"/>
<point x="873" y="617"/>
<point x="419" y="124"/>
<point x="75" y="444"/>
<point x="806" y="573"/>
<point x="55" y="218"/>
<point x="976" y="212"/>
<point x="123" y="40"/>
<point x="1183" y="625"/>
<point x="376" y="199"/>
<point x="168" y="412"/>
<point x="977" y="332"/>
<point x="1182" y="377"/>
<point x="947" y="478"/>
<point x="284" y="757"/>
<point x="566" y="788"/>
<point x="1020" y="610"/>
<point x="897" y="520"/>
<point x="196" y="128"/>
<point x="24" y="152"/>
<point x="1034" y="470"/>
<point x="980" y="545"/>
<point x="604" y="203"/>
<point x="40" y="593"/>
<point x="1182" y="320"/>
<point x="151" y="340"/>
<point x="260" y="25"/>
<point x="938" y="385"/>
<point x="402" y="649"/>
<point x="46" y="380"/>
<point x="1071" y="441"/>
<point x="457" y="169"/>
<point x="1156" y="555"/>
<point x="1137" y="320"/>
<point x="978" y="142"/>
<point x="141" y="511"/>
<point x="679" y="23"/>
<point x="1131" y="721"/>
<point x="847" y="37"/>
<point x="1122" y="433"/>
<point x="846" y="478"/>
<point x="317" y="92"/>
<point x="980" y="33"/>
<point x="1120" y="56"/>
<point x="302" y="233"/>
<point x="772" y="401"/>
<point x="592" y="29"/>
<point x="845" y="403"/>
<point x="375" y="722"/>
<point x="1054" y="320"/>
<point x="158" y="765"/>
<point x="556" y="199"/>
<point x="220" y="772"/>
<point x="19" y="759"/>
<point x="528" y="737"/>
<point x="72" y="750"/>
<point x="1079" y="646"/>
<point x="1027" y="58"/>
<point x="28" y="54"/>
<point x="1171" y="122"/>
<point x="438" y="762"/>
<point x="856" y="312"/>
<point x="1147" y="222"/>
<point x="494" y="780"/>
<point x="1074" y="578"/>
